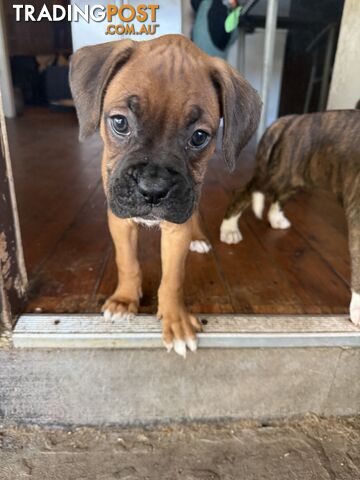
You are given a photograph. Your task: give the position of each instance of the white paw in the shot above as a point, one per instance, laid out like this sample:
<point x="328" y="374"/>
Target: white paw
<point x="179" y="346"/>
<point x="355" y="309"/>
<point x="200" y="246"/>
<point x="229" y="230"/>
<point x="191" y="343"/>
<point x="277" y="218"/>
<point x="113" y="317"/>
<point x="168" y="346"/>
<point x="280" y="223"/>
<point x="231" y="236"/>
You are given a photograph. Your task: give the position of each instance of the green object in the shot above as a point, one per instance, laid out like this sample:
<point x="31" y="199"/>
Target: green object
<point x="232" y="20"/>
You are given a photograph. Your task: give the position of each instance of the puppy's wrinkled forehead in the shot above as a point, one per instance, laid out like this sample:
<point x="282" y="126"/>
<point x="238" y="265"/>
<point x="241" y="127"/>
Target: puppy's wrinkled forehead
<point x="167" y="80"/>
<point x="164" y="85"/>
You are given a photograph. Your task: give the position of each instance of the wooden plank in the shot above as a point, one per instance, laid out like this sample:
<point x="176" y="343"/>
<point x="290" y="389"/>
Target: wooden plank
<point x="205" y="289"/>
<point x="317" y="286"/>
<point x="325" y="206"/>
<point x="323" y="228"/>
<point x="54" y="175"/>
<point x="68" y="278"/>
<point x="256" y="283"/>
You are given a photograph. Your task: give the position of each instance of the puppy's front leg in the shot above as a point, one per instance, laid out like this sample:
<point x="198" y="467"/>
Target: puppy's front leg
<point x="125" y="300"/>
<point x="178" y="325"/>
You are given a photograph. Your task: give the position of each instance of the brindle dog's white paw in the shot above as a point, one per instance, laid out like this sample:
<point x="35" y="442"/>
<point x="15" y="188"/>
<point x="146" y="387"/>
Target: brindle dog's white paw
<point x="277" y="218"/>
<point x="200" y="246"/>
<point x="116" y="308"/>
<point x="229" y="231"/>
<point x="231" y="237"/>
<point x="355" y="309"/>
<point x="280" y="223"/>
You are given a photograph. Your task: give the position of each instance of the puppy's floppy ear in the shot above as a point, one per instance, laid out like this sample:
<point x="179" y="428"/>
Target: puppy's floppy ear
<point x="91" y="69"/>
<point x="240" y="108"/>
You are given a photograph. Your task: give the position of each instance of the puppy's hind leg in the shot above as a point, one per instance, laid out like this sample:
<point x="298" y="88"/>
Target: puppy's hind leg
<point x="276" y="216"/>
<point x="229" y="230"/>
<point x="199" y="241"/>
<point x="258" y="204"/>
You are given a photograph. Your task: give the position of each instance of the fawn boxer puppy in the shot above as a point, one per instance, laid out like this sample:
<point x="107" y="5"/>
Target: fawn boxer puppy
<point x="315" y="150"/>
<point x="158" y="104"/>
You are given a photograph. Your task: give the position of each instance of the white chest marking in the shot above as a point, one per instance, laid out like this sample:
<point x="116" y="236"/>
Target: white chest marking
<point x="147" y="223"/>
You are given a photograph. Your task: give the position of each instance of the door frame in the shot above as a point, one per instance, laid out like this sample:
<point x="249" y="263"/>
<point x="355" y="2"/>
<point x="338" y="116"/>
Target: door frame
<point x="13" y="276"/>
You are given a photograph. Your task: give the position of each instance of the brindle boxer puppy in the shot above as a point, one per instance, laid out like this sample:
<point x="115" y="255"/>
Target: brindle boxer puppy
<point x="316" y="150"/>
<point x="158" y="104"/>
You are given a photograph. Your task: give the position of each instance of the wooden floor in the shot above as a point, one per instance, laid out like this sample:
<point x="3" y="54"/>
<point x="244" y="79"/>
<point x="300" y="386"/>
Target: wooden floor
<point x="70" y="258"/>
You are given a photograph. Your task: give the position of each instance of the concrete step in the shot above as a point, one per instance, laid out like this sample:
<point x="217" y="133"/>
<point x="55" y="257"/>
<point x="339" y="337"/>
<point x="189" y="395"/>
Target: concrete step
<point x="290" y="366"/>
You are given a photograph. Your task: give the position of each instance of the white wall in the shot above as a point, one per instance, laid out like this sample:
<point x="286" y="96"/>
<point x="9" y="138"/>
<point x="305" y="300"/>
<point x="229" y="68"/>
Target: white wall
<point x="345" y="83"/>
<point x="254" y="54"/>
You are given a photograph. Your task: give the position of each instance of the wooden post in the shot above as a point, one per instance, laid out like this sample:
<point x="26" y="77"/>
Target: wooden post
<point x="13" y="279"/>
<point x="344" y="89"/>
<point x="268" y="61"/>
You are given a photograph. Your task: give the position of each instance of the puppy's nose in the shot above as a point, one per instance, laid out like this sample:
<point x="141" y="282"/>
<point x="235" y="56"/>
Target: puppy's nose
<point x="153" y="190"/>
<point x="154" y="184"/>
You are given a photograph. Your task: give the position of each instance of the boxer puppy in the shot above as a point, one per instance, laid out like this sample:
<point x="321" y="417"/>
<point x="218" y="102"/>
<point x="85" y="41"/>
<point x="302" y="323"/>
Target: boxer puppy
<point x="319" y="150"/>
<point x="158" y="104"/>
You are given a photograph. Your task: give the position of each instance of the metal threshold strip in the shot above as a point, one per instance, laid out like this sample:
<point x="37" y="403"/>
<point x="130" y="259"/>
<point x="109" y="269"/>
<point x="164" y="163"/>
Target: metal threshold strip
<point x="220" y="331"/>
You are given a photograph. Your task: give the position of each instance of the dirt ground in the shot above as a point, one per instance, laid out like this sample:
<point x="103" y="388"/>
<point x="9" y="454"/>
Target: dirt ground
<point x="313" y="449"/>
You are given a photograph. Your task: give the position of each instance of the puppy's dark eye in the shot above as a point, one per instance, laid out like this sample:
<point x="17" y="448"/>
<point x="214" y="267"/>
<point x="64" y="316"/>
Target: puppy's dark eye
<point x="199" y="139"/>
<point x="120" y="125"/>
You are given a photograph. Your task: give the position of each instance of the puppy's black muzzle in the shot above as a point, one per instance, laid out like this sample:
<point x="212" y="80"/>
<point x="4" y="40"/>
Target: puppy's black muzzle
<point x="153" y="183"/>
<point x="151" y="192"/>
